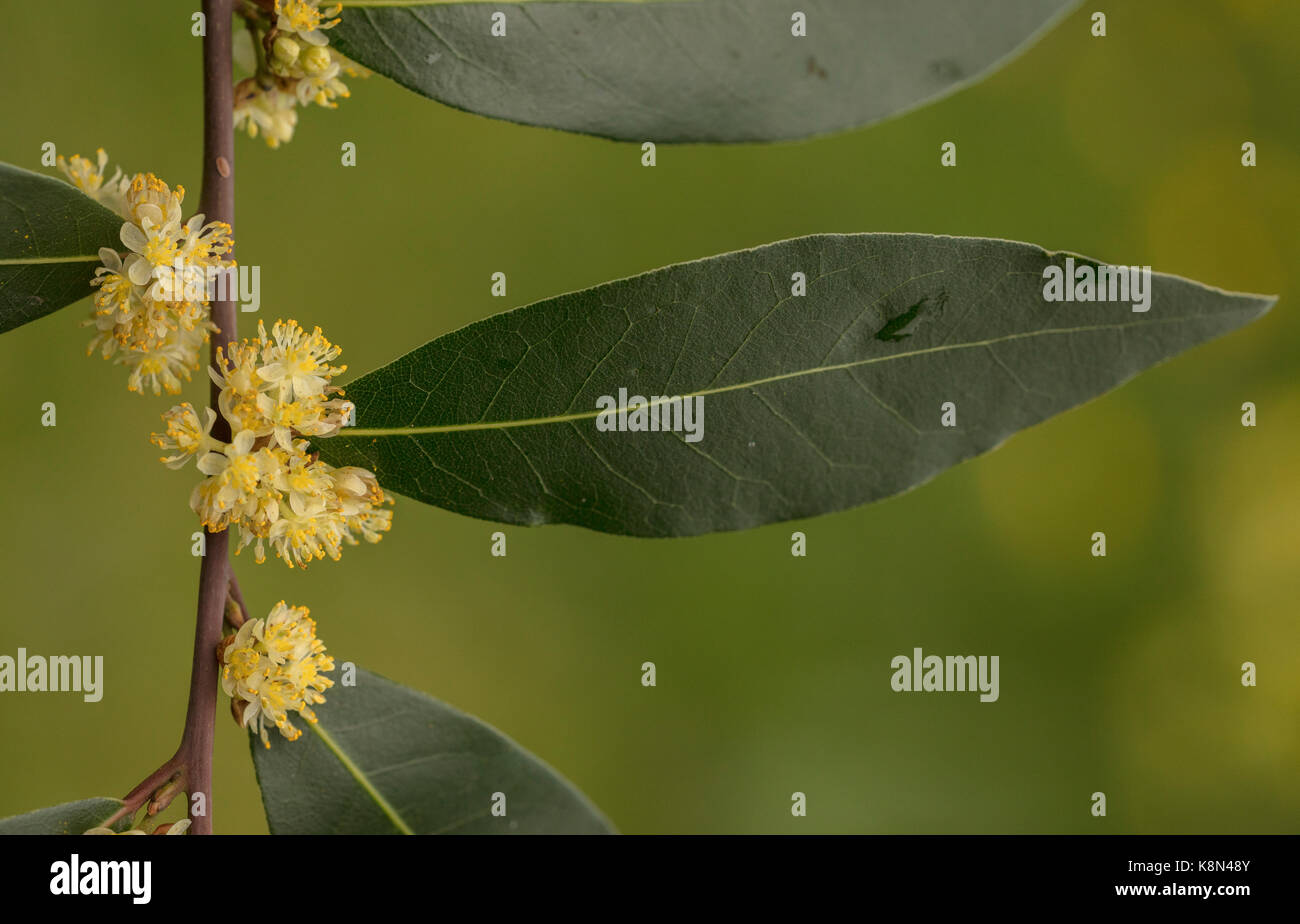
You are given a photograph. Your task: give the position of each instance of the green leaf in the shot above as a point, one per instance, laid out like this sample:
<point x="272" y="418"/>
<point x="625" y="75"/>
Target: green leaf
<point x="812" y="403"/>
<point x="386" y="759"/>
<point x="50" y="235"/>
<point x="68" y="818"/>
<point x="698" y="70"/>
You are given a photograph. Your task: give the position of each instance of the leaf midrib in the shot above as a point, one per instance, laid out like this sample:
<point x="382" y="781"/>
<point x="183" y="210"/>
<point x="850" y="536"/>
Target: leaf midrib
<point x="26" y="261"/>
<point x="836" y="367"/>
<point x="362" y="780"/>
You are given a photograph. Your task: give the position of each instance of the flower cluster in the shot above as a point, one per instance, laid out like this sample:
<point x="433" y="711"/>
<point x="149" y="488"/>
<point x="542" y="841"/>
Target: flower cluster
<point x="295" y="67"/>
<point x="275" y="666"/>
<point x="273" y="391"/>
<point x="151" y="310"/>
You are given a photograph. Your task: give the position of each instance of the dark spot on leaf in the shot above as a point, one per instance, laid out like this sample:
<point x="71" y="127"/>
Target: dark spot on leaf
<point x="893" y="328"/>
<point x="946" y="69"/>
<point x="815" y="69"/>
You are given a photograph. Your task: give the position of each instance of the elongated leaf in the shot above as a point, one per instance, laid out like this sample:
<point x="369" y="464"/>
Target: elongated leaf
<point x="386" y="759"/>
<point x="696" y="70"/>
<point x="50" y="235"/>
<point x="812" y="403"/>
<point x="68" y="818"/>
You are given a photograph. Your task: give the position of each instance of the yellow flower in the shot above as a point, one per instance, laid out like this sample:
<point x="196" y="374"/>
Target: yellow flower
<point x="275" y="666"/>
<point x="205" y="244"/>
<point x="323" y="86"/>
<point x="305" y="18"/>
<point x="151" y="308"/>
<point x="162" y="368"/>
<point x="89" y="178"/>
<point x="185" y="434"/>
<point x="234" y="472"/>
<point x="268" y="111"/>
<point x="273" y="390"/>
<point x="235" y="374"/>
<point x="295" y="361"/>
<point x="298" y="69"/>
<point x="150" y="199"/>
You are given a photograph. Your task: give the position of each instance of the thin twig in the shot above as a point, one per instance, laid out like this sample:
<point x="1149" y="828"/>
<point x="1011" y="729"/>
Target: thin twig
<point x="137" y="797"/>
<point x="218" y="204"/>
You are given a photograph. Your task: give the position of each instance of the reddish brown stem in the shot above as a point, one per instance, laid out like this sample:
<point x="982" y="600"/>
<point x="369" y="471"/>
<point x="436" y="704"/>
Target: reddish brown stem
<point x="193" y="759"/>
<point x="218" y="204"/>
<point x="137" y="797"/>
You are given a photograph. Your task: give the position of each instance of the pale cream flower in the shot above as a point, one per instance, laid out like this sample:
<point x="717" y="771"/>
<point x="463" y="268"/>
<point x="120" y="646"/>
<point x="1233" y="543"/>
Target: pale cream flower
<point x="151" y="305"/>
<point x="186" y="434"/>
<point x="310" y="533"/>
<point x="306" y="19"/>
<point x="164" y="367"/>
<point x="295" y="361"/>
<point x="235" y="374"/>
<point x="272" y="391"/>
<point x="89" y="178"/>
<point x="149" y="199"/>
<point x="234" y="473"/>
<point x="275" y="666"/>
<point x="298" y="69"/>
<point x="323" y="87"/>
<point x="268" y="111"/>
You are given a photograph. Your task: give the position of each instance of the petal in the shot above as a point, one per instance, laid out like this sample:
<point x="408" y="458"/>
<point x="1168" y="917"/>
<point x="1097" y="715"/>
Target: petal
<point x="133" y="237"/>
<point x="212" y="463"/>
<point x="149" y="214"/>
<point x="140" y="271"/>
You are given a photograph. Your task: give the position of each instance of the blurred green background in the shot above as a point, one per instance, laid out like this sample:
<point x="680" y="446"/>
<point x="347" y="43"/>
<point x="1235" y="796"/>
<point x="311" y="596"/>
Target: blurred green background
<point x="1118" y="674"/>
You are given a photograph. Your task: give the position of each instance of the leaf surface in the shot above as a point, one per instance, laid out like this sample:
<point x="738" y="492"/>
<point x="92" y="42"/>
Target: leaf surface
<point x="696" y="70"/>
<point x="386" y="759"/>
<point x="50" y="235"/>
<point x="68" y="818"/>
<point x="811" y="403"/>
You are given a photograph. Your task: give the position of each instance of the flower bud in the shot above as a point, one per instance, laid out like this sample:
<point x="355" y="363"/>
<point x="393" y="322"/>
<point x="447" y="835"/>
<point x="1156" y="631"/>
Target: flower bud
<point x="316" y="60"/>
<point x="285" y="50"/>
